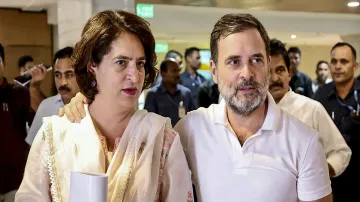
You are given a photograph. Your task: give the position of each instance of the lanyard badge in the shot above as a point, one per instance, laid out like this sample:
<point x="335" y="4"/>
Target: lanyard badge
<point x="182" y="111"/>
<point x="353" y="112"/>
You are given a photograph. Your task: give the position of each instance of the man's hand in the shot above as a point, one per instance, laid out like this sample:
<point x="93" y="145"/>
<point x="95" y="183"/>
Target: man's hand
<point x="38" y="74"/>
<point x="331" y="171"/>
<point x="75" y="111"/>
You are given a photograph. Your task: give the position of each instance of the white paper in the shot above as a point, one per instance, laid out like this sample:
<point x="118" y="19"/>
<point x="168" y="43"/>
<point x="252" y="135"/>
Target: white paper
<point x="86" y="187"/>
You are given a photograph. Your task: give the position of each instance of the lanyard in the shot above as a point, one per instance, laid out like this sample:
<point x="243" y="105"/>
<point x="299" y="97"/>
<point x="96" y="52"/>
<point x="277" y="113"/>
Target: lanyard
<point x="171" y="100"/>
<point x="351" y="108"/>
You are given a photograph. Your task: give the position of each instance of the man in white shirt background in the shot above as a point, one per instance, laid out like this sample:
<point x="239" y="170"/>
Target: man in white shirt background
<point x="66" y="86"/>
<point x="306" y="110"/>
<point x="322" y="75"/>
<point x="246" y="148"/>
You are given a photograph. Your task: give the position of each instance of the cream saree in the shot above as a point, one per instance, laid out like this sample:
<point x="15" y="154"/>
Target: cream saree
<point x="138" y="171"/>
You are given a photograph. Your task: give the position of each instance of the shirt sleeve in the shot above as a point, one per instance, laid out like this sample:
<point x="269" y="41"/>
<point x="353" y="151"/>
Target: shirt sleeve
<point x="192" y="104"/>
<point x="313" y="178"/>
<point x="150" y="102"/>
<point x="308" y="86"/>
<point x="337" y="151"/>
<point x="36" y="124"/>
<point x="182" y="127"/>
<point x="35" y="186"/>
<point x="177" y="186"/>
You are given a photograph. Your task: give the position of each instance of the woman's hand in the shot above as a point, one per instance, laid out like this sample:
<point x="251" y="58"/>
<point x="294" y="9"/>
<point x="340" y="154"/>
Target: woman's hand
<point x="75" y="110"/>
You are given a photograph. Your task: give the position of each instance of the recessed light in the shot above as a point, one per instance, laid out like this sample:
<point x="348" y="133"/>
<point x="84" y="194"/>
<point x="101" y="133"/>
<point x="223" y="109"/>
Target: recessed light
<point x="353" y="4"/>
<point x="293" y="36"/>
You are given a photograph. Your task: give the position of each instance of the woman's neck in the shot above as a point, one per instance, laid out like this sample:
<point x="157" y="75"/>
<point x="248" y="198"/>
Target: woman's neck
<point x="109" y="120"/>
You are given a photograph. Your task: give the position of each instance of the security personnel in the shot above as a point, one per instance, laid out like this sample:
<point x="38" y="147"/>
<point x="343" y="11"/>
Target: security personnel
<point x="341" y="100"/>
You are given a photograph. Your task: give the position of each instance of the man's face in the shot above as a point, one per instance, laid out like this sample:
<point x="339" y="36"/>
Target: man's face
<point x="27" y="66"/>
<point x="179" y="60"/>
<point x="342" y="65"/>
<point x="322" y="71"/>
<point x="295" y="60"/>
<point x="242" y="71"/>
<point x="172" y="75"/>
<point x="65" y="79"/>
<point x="279" y="77"/>
<point x="2" y="69"/>
<point x="194" y="60"/>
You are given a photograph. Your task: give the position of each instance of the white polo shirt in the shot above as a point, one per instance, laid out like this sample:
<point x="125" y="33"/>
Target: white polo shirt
<point x="313" y="114"/>
<point x="282" y="162"/>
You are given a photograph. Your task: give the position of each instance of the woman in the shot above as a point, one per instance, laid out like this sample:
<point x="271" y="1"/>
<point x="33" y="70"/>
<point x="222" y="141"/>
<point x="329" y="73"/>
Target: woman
<point x="138" y="151"/>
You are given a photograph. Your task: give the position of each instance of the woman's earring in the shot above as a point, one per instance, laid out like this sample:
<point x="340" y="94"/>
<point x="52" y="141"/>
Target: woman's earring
<point x="93" y="84"/>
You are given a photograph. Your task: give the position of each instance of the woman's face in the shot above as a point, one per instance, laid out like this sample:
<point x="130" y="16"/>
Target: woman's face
<point x="120" y="75"/>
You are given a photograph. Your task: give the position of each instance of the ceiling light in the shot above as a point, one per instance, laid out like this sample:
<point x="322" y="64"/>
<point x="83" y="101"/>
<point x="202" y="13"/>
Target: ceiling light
<point x="353" y="4"/>
<point x="293" y="36"/>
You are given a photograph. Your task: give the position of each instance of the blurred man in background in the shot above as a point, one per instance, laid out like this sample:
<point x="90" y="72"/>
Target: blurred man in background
<point x="300" y="83"/>
<point x="25" y="63"/>
<point x="66" y="86"/>
<point x="341" y="101"/>
<point x="306" y="110"/>
<point x="190" y="78"/>
<point x="16" y="108"/>
<point x="171" y="54"/>
<point x="322" y="75"/>
<point x="169" y="99"/>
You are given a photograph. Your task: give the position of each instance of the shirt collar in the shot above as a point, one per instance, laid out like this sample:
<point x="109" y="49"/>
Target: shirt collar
<point x="356" y="86"/>
<point x="58" y="99"/>
<point x="297" y="74"/>
<point x="271" y="119"/>
<point x="187" y="74"/>
<point x="164" y="90"/>
<point x="286" y="96"/>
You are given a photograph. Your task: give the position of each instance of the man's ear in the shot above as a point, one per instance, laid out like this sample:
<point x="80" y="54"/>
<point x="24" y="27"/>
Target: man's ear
<point x="162" y="73"/>
<point x="356" y="66"/>
<point x="214" y="71"/>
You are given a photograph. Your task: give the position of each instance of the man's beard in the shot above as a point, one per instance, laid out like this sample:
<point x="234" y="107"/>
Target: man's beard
<point x="244" y="104"/>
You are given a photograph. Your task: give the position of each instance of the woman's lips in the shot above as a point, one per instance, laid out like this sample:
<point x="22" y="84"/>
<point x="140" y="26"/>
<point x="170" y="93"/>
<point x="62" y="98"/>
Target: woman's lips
<point x="130" y="91"/>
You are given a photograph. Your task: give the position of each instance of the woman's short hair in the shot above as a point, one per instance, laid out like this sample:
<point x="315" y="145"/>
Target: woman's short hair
<point x="98" y="34"/>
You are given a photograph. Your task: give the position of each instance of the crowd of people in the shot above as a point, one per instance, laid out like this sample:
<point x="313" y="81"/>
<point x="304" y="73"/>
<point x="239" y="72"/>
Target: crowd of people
<point x="259" y="130"/>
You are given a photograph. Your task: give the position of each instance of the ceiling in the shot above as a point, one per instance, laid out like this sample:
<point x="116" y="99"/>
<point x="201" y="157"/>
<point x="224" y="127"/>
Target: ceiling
<point x="184" y="24"/>
<point x="327" y="6"/>
<point x="194" y="24"/>
<point x="30" y="5"/>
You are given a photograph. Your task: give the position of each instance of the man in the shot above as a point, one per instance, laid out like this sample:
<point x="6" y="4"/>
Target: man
<point x="208" y="94"/>
<point x="322" y="74"/>
<point x="16" y="107"/>
<point x="300" y="83"/>
<point x="25" y="63"/>
<point x="66" y="85"/>
<point x="169" y="99"/>
<point x="306" y="110"/>
<point x="341" y="100"/>
<point x="190" y="78"/>
<point x="171" y="54"/>
<point x="247" y="148"/>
